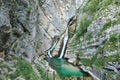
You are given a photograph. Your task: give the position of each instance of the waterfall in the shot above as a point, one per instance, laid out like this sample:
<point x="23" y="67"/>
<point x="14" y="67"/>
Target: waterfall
<point x="65" y="40"/>
<point x="49" y="51"/>
<point x="64" y="44"/>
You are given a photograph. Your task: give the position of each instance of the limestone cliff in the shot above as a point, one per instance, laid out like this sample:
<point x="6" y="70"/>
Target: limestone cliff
<point x="18" y="25"/>
<point x="28" y="29"/>
<point x="97" y="39"/>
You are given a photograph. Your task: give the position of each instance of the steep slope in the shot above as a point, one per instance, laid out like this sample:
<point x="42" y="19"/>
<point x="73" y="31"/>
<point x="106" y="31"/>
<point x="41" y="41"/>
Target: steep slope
<point x="27" y="29"/>
<point x="18" y="24"/>
<point x="97" y="38"/>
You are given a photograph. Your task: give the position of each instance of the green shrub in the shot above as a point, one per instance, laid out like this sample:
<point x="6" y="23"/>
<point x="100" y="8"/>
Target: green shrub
<point x="91" y="6"/>
<point x="110" y="23"/>
<point x="84" y="23"/>
<point x="99" y="62"/>
<point x="105" y="3"/>
<point x="42" y="72"/>
<point x="107" y="25"/>
<point x="112" y="43"/>
<point x="88" y="35"/>
<point x="86" y="62"/>
<point x="0" y="78"/>
<point x="25" y="70"/>
<point x="29" y="9"/>
<point x="115" y="57"/>
<point x="100" y="50"/>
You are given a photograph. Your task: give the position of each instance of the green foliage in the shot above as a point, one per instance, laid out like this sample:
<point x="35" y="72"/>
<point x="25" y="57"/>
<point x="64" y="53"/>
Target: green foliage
<point x="107" y="25"/>
<point x="110" y="23"/>
<point x="88" y="35"/>
<point x="0" y="78"/>
<point x="79" y="54"/>
<point x="84" y="23"/>
<point x="42" y="72"/>
<point x="115" y="57"/>
<point x="89" y="62"/>
<point x="86" y="62"/>
<point x="24" y="69"/>
<point x="100" y="50"/>
<point x="118" y="76"/>
<point x="91" y="6"/>
<point x="105" y="3"/>
<point x="109" y="76"/>
<point x="111" y="44"/>
<point x="4" y="66"/>
<point x="117" y="2"/>
<point x="29" y="9"/>
<point x="99" y="62"/>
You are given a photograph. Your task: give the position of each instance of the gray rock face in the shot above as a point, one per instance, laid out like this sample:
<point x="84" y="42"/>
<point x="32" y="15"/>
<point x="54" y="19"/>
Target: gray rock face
<point x="18" y="27"/>
<point x="100" y="31"/>
<point x="54" y="15"/>
<point x="29" y="25"/>
<point x="5" y="28"/>
<point x="113" y="66"/>
<point x="99" y="43"/>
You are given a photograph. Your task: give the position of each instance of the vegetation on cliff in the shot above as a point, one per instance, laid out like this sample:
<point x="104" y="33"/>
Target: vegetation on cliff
<point x="97" y="37"/>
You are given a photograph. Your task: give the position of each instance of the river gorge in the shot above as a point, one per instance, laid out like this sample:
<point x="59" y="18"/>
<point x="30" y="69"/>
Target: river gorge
<point x="42" y="39"/>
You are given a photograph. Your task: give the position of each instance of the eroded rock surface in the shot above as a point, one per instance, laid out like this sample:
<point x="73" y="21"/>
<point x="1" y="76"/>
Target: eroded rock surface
<point x="18" y="27"/>
<point x="54" y="16"/>
<point x="30" y="25"/>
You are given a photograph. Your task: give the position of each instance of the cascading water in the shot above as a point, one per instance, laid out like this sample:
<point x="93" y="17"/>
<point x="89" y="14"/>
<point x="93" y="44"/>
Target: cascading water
<point x="62" y="67"/>
<point x="65" y="40"/>
<point x="51" y="49"/>
<point x="64" y="44"/>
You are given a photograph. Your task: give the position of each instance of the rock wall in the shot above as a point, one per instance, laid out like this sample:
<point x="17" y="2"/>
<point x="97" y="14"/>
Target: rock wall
<point x="54" y="16"/>
<point x="27" y="29"/>
<point x="97" y="38"/>
<point x="18" y="23"/>
<point x="100" y="26"/>
<point x="98" y="33"/>
<point x="28" y="26"/>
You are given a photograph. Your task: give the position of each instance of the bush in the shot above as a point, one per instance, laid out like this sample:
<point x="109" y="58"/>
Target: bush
<point x="25" y="70"/>
<point x="91" y="6"/>
<point x="105" y="3"/>
<point x="84" y="23"/>
<point x="111" y="44"/>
